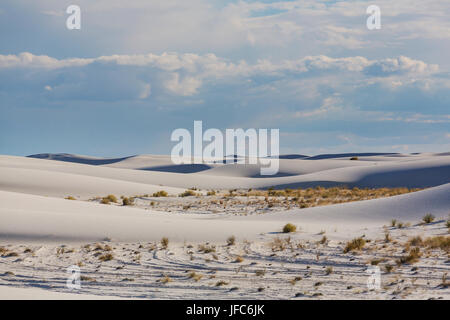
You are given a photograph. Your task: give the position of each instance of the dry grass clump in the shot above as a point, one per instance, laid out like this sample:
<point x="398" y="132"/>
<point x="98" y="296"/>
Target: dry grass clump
<point x="354" y="245"/>
<point x="195" y="276"/>
<point x="231" y="241"/>
<point x="106" y="257"/>
<point x="211" y="193"/>
<point x="205" y="248"/>
<point x="281" y="244"/>
<point x="9" y="254"/>
<point x="165" y="242"/>
<point x="188" y="193"/>
<point x="161" y="193"/>
<point x="438" y="242"/>
<point x="87" y="278"/>
<point x="221" y="283"/>
<point x="127" y="201"/>
<point x="295" y="280"/>
<point x="428" y="218"/>
<point x="329" y="270"/>
<point x="415" y="241"/>
<point x="100" y="247"/>
<point x="108" y="199"/>
<point x="165" y="279"/>
<point x="260" y="273"/>
<point x="412" y="257"/>
<point x="70" y="198"/>
<point x="239" y="259"/>
<point x="289" y="227"/>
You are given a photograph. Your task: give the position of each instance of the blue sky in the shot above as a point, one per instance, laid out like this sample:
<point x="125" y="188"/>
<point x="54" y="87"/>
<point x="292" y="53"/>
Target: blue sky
<point x="139" y="69"/>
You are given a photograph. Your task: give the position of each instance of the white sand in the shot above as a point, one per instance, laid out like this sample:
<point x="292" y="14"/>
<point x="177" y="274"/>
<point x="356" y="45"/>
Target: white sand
<point x="34" y="213"/>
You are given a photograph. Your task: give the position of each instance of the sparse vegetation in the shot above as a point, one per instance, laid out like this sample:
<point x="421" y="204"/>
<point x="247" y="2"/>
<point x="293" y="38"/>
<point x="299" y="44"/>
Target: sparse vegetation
<point x="221" y="283"/>
<point x="108" y="199"/>
<point x="70" y="198"/>
<point x="239" y="259"/>
<point x="231" y="241"/>
<point x="106" y="257"/>
<point x="161" y="193"/>
<point x="165" y="242"/>
<point x="329" y="270"/>
<point x="354" y="245"/>
<point x="289" y="227"/>
<point x="428" y="218"/>
<point x="354" y="158"/>
<point x="195" y="276"/>
<point x="127" y="201"/>
<point x="412" y="257"/>
<point x="188" y="193"/>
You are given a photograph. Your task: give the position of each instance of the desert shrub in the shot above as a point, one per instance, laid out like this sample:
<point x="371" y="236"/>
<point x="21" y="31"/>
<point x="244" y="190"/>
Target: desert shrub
<point x="127" y="201"/>
<point x="70" y="198"/>
<point x="111" y="198"/>
<point x="187" y="193"/>
<point x="165" y="242"/>
<point x="239" y="259"/>
<point x="211" y="193"/>
<point x="387" y="237"/>
<point x="161" y="193"/>
<point x="412" y="257"/>
<point x="393" y="223"/>
<point x="166" y="279"/>
<point x="260" y="273"/>
<point x="428" y="218"/>
<point x="440" y="242"/>
<point x="206" y="248"/>
<point x="388" y="268"/>
<point x="221" y="283"/>
<point x="415" y="241"/>
<point x="355" y="244"/>
<point x="329" y="270"/>
<point x="106" y="257"/>
<point x="280" y="244"/>
<point x="289" y="227"/>
<point x="231" y="241"/>
<point x="354" y="158"/>
<point x="323" y="240"/>
<point x="195" y="276"/>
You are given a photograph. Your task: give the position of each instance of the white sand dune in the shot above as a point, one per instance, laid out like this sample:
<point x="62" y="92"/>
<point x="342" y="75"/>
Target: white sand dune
<point x="29" y="217"/>
<point x="62" y="178"/>
<point x="34" y="216"/>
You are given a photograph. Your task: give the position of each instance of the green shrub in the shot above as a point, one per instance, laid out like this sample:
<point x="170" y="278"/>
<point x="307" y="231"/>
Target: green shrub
<point x="428" y="218"/>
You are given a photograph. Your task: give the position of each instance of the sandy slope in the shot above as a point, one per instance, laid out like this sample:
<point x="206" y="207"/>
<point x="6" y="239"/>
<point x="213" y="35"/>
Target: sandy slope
<point x="61" y="178"/>
<point x="30" y="217"/>
<point x="36" y="223"/>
